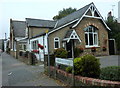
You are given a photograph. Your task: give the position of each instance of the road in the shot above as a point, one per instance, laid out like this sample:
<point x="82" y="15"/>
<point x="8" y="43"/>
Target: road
<point x="112" y="60"/>
<point x="16" y="73"/>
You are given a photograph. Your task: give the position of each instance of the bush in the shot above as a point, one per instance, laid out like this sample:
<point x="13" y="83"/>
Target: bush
<point x="77" y="51"/>
<point x="61" y="53"/>
<point x="69" y="69"/>
<point x="87" y="65"/>
<point x="110" y="73"/>
<point x="90" y="66"/>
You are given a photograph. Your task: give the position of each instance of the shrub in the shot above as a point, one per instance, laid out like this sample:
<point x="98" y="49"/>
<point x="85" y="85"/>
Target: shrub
<point x="87" y="65"/>
<point x="77" y="51"/>
<point x="69" y="69"/>
<point x="77" y="67"/>
<point x="61" y="53"/>
<point x="110" y="73"/>
<point x="90" y="66"/>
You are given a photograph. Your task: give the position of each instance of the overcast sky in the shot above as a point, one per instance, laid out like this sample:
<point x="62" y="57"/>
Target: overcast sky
<point x="45" y="9"/>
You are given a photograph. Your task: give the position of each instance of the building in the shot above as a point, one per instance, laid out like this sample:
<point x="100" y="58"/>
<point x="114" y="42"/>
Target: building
<point x="85" y="28"/>
<point x="17" y="32"/>
<point x="119" y="12"/>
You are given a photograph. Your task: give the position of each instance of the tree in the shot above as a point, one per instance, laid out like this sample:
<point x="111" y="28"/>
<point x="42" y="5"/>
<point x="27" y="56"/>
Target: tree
<point x="115" y="29"/>
<point x="64" y="12"/>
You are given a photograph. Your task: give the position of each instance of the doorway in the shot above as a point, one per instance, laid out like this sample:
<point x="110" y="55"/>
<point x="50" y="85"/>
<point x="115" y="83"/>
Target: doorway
<point x="69" y="49"/>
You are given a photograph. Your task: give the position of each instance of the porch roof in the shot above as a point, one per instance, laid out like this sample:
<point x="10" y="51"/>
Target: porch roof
<point x="71" y="35"/>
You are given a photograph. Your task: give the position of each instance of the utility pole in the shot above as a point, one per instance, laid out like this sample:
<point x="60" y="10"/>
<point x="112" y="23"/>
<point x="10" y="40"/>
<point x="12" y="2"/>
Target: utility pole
<point x="113" y="9"/>
<point x="5" y="36"/>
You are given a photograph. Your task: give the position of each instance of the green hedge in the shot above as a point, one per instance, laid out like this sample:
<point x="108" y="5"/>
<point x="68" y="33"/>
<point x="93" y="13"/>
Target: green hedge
<point x="110" y="73"/>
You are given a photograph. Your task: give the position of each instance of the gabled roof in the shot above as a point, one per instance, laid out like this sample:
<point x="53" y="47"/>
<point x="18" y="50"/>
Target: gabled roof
<point x="76" y="18"/>
<point x="18" y="28"/>
<point x="73" y="16"/>
<point x="40" y="23"/>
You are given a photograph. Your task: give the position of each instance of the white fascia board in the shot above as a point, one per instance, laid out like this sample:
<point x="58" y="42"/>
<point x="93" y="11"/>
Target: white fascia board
<point x="81" y="18"/>
<point x="62" y="26"/>
<point x="102" y="19"/>
<point x="91" y="17"/>
<point x="19" y="38"/>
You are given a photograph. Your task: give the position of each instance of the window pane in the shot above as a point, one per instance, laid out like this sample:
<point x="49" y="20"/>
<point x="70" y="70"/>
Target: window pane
<point x="86" y="39"/>
<point x="95" y="39"/>
<point x="56" y="44"/>
<point x="90" y="39"/>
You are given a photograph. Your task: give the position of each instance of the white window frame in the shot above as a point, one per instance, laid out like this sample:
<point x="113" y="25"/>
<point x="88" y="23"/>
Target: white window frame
<point x="58" y="40"/>
<point x="34" y="45"/>
<point x="93" y="33"/>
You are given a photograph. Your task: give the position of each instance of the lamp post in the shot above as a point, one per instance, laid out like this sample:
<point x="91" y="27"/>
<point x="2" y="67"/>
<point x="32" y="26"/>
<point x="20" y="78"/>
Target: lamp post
<point x="48" y="52"/>
<point x="73" y="80"/>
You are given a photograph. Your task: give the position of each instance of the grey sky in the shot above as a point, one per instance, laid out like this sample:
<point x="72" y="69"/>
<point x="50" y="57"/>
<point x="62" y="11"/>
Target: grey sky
<point x="45" y="9"/>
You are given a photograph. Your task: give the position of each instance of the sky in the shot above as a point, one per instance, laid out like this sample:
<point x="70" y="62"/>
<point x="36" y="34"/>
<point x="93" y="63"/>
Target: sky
<point x="46" y="9"/>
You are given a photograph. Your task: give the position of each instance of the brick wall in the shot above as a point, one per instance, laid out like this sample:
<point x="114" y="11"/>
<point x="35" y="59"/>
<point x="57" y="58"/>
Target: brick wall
<point x="83" y="81"/>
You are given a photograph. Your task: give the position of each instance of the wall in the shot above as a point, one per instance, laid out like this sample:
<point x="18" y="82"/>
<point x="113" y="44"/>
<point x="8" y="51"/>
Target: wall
<point x="33" y="31"/>
<point x="66" y="78"/>
<point x="102" y="36"/>
<point x="43" y="41"/>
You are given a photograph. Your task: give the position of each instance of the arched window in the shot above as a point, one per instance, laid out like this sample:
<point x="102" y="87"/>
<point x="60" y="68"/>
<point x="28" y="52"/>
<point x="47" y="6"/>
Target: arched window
<point x="91" y="36"/>
<point x="56" y="43"/>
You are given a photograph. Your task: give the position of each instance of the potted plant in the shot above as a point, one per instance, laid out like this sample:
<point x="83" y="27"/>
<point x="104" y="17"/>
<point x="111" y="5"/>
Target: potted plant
<point x="93" y="49"/>
<point x="35" y="51"/>
<point x="104" y="48"/>
<point x="40" y="46"/>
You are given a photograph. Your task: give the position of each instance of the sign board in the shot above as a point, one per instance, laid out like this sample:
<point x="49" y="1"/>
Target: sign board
<point x="68" y="62"/>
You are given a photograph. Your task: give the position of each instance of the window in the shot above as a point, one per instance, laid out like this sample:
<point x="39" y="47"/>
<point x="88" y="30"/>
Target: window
<point x="56" y="43"/>
<point x="34" y="45"/>
<point x="22" y="47"/>
<point x="91" y="36"/>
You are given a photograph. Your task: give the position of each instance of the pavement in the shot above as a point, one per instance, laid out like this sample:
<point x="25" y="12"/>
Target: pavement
<point x="16" y="73"/>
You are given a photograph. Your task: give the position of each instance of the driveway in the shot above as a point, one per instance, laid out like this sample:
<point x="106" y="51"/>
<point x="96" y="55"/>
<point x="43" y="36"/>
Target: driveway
<point x="112" y="60"/>
<point x="16" y="73"/>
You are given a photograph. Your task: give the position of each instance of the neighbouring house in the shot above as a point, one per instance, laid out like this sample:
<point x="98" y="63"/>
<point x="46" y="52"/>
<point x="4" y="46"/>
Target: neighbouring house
<point x="33" y="29"/>
<point x="2" y="44"/>
<point x="17" y="32"/>
<point x="84" y="29"/>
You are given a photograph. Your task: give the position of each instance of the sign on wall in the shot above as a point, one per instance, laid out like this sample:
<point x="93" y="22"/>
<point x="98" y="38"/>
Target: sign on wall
<point x="68" y="62"/>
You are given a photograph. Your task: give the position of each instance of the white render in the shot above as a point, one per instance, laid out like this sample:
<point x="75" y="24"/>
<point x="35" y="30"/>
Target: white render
<point x="43" y="41"/>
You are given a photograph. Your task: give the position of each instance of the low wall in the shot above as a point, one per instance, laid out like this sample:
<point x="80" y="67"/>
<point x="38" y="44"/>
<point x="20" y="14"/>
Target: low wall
<point x="81" y="81"/>
<point x="13" y="53"/>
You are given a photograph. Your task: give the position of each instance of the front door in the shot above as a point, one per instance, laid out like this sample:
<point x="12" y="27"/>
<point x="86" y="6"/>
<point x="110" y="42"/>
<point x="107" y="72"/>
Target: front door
<point x="69" y="49"/>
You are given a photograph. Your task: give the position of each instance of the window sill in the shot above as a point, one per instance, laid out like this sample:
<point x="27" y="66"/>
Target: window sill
<point x="92" y="46"/>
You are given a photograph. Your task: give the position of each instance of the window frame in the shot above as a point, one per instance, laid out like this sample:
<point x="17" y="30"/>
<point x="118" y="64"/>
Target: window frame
<point x="93" y="32"/>
<point x="58" y="40"/>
